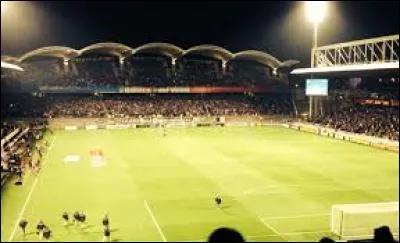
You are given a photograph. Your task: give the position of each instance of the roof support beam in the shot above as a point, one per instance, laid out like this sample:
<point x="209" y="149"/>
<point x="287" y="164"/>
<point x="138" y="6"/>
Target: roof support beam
<point x="374" y="50"/>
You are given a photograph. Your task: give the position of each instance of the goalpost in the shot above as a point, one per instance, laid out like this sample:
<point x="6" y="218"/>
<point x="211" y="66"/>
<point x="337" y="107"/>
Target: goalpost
<point x="357" y="221"/>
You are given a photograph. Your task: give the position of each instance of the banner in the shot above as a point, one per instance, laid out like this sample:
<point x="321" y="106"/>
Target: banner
<point x="164" y="90"/>
<point x="118" y="126"/>
<point x="172" y="90"/>
<point x="70" y="128"/>
<point x="240" y="89"/>
<point x="116" y="89"/>
<point x="56" y="89"/>
<point x="91" y="127"/>
<point x="138" y="90"/>
<point x="381" y="102"/>
<point x="60" y="89"/>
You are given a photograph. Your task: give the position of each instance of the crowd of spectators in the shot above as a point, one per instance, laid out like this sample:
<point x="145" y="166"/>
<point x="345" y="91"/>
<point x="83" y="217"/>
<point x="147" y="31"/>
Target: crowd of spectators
<point x="146" y="71"/>
<point x="371" y="87"/>
<point x="167" y="105"/>
<point x="382" y="88"/>
<point x="93" y="72"/>
<point x="364" y="119"/>
<point x="198" y="72"/>
<point x="15" y="106"/>
<point x="17" y="150"/>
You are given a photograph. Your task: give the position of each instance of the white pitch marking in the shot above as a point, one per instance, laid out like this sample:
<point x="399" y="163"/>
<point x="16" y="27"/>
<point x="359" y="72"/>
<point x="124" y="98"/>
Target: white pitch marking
<point x="298" y="216"/>
<point x="29" y="195"/>
<point x="23" y="210"/>
<point x="291" y="233"/>
<point x="155" y="221"/>
<point x="269" y="226"/>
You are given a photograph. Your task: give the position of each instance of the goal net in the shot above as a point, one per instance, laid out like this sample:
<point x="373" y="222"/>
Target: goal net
<point x="357" y="221"/>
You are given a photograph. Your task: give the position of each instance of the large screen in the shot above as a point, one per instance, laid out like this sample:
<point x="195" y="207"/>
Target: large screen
<point x="317" y="87"/>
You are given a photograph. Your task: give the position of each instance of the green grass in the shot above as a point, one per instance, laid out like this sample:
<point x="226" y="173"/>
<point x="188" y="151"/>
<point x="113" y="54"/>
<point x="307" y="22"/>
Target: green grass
<point x="277" y="184"/>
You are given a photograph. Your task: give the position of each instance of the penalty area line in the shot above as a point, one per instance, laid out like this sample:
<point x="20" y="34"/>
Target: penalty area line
<point x="29" y="195"/>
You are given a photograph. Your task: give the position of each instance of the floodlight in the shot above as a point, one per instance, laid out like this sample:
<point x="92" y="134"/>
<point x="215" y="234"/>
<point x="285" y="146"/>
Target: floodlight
<point x="3" y="6"/>
<point x="315" y="11"/>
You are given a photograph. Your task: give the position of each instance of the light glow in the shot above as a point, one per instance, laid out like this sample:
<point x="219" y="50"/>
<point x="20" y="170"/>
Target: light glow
<point x="315" y="11"/>
<point x="3" y="6"/>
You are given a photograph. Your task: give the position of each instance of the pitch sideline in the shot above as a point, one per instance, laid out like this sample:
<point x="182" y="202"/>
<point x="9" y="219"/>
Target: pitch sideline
<point x="155" y="221"/>
<point x="30" y="194"/>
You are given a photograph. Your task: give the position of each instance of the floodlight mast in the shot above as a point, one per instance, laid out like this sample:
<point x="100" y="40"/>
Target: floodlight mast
<point x="3" y="6"/>
<point x="315" y="39"/>
<point x="315" y="12"/>
<point x="3" y="9"/>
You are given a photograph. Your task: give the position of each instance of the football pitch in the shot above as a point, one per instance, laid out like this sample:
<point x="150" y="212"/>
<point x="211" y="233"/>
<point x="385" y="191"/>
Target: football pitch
<point x="276" y="184"/>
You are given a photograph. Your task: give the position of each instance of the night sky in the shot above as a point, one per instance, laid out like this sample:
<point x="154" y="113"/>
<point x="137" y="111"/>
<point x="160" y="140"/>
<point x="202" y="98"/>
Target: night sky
<point x="278" y="28"/>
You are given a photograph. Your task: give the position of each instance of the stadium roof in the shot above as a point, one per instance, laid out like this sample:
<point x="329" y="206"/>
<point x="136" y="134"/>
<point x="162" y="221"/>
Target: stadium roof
<point x="123" y="51"/>
<point x="9" y="59"/>
<point x="263" y="58"/>
<point x="115" y="49"/>
<point x="210" y="51"/>
<point x="258" y="56"/>
<point x="160" y="48"/>
<point x="289" y="63"/>
<point x="7" y="65"/>
<point x="52" y="51"/>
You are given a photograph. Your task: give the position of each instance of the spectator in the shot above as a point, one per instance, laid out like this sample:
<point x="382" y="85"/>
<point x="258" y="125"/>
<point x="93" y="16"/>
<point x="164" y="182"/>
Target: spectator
<point x="326" y="240"/>
<point x="225" y="235"/>
<point x="383" y="234"/>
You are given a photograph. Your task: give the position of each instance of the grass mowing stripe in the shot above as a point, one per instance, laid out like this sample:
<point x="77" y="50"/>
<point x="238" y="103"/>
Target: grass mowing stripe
<point x="155" y="221"/>
<point x="29" y="196"/>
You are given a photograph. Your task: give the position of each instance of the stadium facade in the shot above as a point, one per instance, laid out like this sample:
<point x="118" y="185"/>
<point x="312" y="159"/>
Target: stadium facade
<point x="123" y="51"/>
<point x="169" y="67"/>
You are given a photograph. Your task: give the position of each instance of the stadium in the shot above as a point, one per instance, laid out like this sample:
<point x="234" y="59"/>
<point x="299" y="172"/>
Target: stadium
<point x="171" y="143"/>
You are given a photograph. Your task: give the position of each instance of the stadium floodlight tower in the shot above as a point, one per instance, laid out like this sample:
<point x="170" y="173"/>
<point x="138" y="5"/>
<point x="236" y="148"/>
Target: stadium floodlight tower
<point x="3" y="6"/>
<point x="315" y="13"/>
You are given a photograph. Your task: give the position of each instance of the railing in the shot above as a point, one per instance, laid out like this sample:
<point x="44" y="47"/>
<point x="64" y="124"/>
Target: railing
<point x="9" y="136"/>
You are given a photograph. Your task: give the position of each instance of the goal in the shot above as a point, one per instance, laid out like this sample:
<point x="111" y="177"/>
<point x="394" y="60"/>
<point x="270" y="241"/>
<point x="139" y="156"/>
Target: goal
<point x="357" y="221"/>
